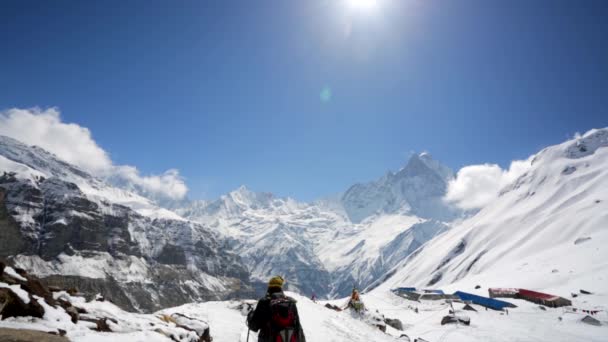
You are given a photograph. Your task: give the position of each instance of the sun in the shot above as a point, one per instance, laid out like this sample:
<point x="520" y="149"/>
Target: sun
<point x="363" y="5"/>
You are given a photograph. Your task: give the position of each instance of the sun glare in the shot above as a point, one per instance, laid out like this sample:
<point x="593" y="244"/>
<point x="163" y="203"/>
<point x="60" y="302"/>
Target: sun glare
<point x="364" y="5"/>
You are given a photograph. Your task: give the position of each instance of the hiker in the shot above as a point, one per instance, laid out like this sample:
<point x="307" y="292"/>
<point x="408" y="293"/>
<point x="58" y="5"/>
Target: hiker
<point x="313" y="297"/>
<point x="355" y="301"/>
<point x="276" y="316"/>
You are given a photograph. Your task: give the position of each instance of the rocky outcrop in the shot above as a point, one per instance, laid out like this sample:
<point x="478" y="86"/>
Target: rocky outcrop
<point x="22" y="296"/>
<point x="23" y="335"/>
<point x="11" y="241"/>
<point x="67" y="228"/>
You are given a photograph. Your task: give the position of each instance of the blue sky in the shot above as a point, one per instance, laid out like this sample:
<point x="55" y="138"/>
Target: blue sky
<point x="237" y="92"/>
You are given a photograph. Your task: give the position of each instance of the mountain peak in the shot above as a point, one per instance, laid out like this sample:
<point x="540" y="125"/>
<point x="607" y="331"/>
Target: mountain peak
<point x="421" y="163"/>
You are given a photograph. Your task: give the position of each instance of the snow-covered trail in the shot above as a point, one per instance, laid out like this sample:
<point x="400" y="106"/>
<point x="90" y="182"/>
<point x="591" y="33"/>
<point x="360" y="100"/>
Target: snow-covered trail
<point x="227" y="322"/>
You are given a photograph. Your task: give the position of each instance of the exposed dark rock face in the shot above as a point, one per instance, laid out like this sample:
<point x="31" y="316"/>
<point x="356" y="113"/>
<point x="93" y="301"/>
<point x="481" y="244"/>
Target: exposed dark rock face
<point x="70" y="239"/>
<point x="11" y="241"/>
<point x="13" y="306"/>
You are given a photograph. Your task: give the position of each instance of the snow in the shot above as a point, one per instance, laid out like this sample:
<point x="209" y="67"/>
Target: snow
<point x="226" y="320"/>
<point x="22" y="171"/>
<point x="97" y="265"/>
<point x="11" y="272"/>
<point x="527" y="322"/>
<point x="16" y="289"/>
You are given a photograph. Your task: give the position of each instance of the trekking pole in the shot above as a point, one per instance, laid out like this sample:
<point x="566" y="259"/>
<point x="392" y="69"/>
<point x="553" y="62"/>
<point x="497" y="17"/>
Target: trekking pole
<point x="248" y="334"/>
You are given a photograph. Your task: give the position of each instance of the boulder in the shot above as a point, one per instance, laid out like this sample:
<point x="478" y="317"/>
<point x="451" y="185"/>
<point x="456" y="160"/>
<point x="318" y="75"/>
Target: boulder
<point x="11" y="305"/>
<point x="450" y="319"/>
<point x="35" y="287"/>
<point x="102" y="325"/>
<point x="332" y="307"/>
<point x="73" y="312"/>
<point x="395" y="323"/>
<point x="23" y="335"/>
<point x="468" y="308"/>
<point x="201" y="328"/>
<point x="591" y="321"/>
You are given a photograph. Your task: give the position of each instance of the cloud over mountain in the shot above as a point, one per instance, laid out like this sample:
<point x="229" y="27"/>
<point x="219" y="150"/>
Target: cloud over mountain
<point x="477" y="185"/>
<point x="75" y="144"/>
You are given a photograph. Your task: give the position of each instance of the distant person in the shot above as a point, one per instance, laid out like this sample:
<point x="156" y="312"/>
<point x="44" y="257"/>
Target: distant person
<point x="313" y="297"/>
<point x="276" y="316"/>
<point x="355" y="301"/>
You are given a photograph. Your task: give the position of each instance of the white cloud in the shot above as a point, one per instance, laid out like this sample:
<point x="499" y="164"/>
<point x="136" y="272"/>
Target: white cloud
<point x="75" y="144"/>
<point x="477" y="185"/>
<point x="44" y="128"/>
<point x="170" y="184"/>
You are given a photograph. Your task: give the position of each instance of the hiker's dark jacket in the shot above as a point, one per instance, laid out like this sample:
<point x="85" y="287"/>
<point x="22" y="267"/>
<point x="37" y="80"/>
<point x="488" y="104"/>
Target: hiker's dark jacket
<point x="260" y="318"/>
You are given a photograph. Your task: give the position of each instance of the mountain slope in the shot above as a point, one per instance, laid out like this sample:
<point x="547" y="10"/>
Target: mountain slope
<point x="417" y="189"/>
<point x="546" y="231"/>
<point x="318" y="246"/>
<point x="75" y="230"/>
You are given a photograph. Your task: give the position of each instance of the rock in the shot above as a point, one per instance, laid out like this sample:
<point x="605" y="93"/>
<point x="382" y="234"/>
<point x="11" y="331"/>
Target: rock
<point x="22" y="335"/>
<point x="468" y="308"/>
<point x="72" y="291"/>
<point x="12" y="306"/>
<point x="332" y="307"/>
<point x="477" y="287"/>
<point x="582" y="239"/>
<point x="574" y="295"/>
<point x="73" y="312"/>
<point x="59" y="332"/>
<point x="102" y="325"/>
<point x="404" y="338"/>
<point x="201" y="328"/>
<point x="449" y="319"/>
<point x="35" y="287"/>
<point x="395" y="323"/>
<point x="81" y="310"/>
<point x="55" y="289"/>
<point x="21" y="272"/>
<point x="585" y="292"/>
<point x="2" y="266"/>
<point x="591" y="321"/>
<point x="542" y="308"/>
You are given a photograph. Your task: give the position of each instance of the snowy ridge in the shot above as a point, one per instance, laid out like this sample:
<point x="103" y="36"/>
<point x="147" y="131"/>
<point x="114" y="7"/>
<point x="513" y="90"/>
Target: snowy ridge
<point x="310" y="242"/>
<point x="63" y="222"/>
<point x="544" y="232"/>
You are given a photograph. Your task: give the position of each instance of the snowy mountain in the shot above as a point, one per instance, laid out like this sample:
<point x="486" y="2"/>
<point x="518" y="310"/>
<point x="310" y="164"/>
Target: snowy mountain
<point x="129" y="239"/>
<point x="75" y="230"/>
<point x="417" y="189"/>
<point x="329" y="246"/>
<point x="545" y="231"/>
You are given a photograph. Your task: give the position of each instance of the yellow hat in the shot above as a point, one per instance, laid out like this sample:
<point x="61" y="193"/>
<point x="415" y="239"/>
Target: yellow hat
<point x="276" y="281"/>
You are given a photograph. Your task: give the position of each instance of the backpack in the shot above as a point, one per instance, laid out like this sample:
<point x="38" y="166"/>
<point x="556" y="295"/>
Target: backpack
<point x="283" y="319"/>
